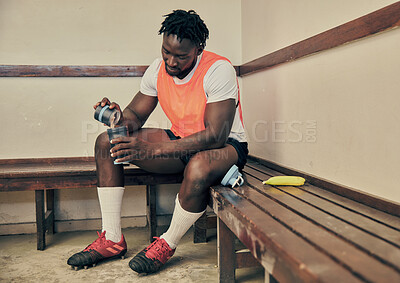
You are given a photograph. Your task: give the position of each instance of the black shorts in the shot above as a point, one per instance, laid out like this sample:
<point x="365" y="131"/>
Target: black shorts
<point x="240" y="147"/>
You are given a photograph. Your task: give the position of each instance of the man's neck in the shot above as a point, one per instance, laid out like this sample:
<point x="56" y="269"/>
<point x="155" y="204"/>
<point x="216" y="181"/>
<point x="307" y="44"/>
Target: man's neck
<point x="188" y="76"/>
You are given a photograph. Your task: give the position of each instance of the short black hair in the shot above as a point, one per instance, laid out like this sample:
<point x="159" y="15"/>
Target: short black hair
<point x="185" y="24"/>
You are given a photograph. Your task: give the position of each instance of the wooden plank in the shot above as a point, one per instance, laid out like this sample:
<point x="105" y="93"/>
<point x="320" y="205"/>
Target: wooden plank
<point x="372" y="213"/>
<point x="355" y="206"/>
<point x="368" y="243"/>
<point x="71" y="71"/>
<point x="54" y="167"/>
<point x="48" y="183"/>
<point x="84" y="181"/>
<point x="67" y="173"/>
<point x="48" y="171"/>
<point x="37" y="167"/>
<point x="226" y="253"/>
<point x="366" y="224"/>
<point x="351" y="257"/>
<point x="375" y="22"/>
<point x="376" y="202"/>
<point x="74" y="71"/>
<point x="285" y="255"/>
<point x="245" y="259"/>
<point x="48" y="160"/>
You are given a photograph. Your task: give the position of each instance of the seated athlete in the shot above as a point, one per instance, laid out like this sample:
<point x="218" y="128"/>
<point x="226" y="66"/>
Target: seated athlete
<point x="198" y="92"/>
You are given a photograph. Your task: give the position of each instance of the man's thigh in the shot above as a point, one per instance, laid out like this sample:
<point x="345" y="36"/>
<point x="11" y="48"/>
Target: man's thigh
<point x="157" y="165"/>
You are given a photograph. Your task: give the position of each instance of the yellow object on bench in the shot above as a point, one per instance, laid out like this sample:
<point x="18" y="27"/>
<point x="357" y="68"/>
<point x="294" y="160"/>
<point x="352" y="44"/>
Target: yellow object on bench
<point x="285" y="181"/>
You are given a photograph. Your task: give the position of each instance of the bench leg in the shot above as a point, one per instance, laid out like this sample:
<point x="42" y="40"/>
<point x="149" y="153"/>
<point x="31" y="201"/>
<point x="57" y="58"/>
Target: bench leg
<point x="40" y="220"/>
<point x="269" y="278"/>
<point x="152" y="211"/>
<point x="226" y="253"/>
<point x="50" y="211"/>
<point x="200" y="229"/>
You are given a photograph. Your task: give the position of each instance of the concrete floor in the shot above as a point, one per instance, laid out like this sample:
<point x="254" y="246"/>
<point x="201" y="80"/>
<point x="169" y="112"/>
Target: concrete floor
<point x="21" y="262"/>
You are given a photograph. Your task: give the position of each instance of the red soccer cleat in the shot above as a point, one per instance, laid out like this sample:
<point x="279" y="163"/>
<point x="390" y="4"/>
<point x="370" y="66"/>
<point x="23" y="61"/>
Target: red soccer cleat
<point x="99" y="250"/>
<point x="152" y="258"/>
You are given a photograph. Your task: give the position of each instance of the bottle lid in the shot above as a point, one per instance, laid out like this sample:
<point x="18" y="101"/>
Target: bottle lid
<point x="108" y="116"/>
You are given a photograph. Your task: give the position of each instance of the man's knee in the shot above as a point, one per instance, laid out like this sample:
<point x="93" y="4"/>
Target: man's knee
<point x="198" y="173"/>
<point x="102" y="145"/>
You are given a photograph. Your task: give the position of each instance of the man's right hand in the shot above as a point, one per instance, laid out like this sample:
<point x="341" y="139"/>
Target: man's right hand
<point x="105" y="101"/>
<point x="137" y="111"/>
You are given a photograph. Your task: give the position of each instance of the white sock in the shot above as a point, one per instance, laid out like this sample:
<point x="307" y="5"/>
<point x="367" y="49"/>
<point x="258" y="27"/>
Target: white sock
<point x="110" y="199"/>
<point x="181" y="221"/>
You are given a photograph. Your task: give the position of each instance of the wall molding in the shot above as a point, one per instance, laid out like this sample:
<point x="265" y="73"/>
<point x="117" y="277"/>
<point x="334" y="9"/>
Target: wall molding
<point x="74" y="71"/>
<point x="71" y="71"/>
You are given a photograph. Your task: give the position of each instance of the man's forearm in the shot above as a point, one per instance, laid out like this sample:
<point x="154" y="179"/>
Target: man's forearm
<point x="203" y="140"/>
<point x="131" y="120"/>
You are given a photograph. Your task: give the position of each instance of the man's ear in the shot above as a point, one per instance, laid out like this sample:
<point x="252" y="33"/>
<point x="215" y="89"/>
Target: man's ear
<point x="200" y="50"/>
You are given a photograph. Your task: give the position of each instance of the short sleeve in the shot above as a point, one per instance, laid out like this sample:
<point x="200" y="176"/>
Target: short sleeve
<point x="148" y="85"/>
<point x="220" y="82"/>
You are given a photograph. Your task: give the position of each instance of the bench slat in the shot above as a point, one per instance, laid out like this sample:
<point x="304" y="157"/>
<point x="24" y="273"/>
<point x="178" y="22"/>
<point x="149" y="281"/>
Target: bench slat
<point x="288" y="257"/>
<point x="47" y="183"/>
<point x="372" y="213"/>
<point x="46" y="167"/>
<point x="67" y="173"/>
<point x="85" y="181"/>
<point x="50" y="168"/>
<point x="346" y="254"/>
<point x="382" y="250"/>
<point x="377" y="229"/>
<point x="362" y="209"/>
<point x="357" y="195"/>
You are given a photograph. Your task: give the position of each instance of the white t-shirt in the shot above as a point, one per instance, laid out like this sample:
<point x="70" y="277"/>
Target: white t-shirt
<point x="219" y="84"/>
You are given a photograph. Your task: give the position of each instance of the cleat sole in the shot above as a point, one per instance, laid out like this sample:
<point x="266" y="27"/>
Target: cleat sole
<point x="100" y="250"/>
<point x="76" y="267"/>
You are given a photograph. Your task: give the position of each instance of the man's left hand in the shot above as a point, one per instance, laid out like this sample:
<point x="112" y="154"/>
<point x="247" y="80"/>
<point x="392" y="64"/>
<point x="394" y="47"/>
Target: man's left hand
<point x="133" y="147"/>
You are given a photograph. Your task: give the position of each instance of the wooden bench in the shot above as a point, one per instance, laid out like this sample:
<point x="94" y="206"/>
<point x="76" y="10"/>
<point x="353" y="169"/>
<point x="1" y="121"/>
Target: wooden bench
<point x="317" y="232"/>
<point x="44" y="175"/>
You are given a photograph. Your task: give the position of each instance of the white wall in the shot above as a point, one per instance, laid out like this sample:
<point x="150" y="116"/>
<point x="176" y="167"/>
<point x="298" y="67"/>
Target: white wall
<point x="335" y="114"/>
<point x="51" y="117"/>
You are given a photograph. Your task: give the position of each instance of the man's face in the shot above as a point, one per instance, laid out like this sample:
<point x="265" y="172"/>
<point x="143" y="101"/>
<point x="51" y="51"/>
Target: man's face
<point x="180" y="56"/>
